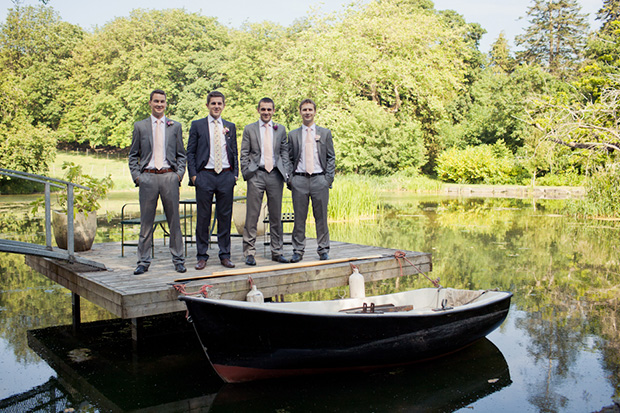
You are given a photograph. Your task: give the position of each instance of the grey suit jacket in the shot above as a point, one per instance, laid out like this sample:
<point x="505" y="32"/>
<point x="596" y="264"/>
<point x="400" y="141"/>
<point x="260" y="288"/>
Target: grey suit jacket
<point x="327" y="155"/>
<point x="141" y="149"/>
<point x="251" y="150"/>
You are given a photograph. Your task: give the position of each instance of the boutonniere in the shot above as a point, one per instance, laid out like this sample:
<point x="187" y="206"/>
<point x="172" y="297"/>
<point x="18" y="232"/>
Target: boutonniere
<point x="226" y="130"/>
<point x="169" y="123"/>
<point x="317" y="137"/>
<point x="275" y="126"/>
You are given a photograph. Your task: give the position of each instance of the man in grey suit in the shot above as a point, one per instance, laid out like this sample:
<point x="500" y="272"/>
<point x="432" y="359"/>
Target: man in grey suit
<point x="157" y="165"/>
<point x="265" y="166"/>
<point x="213" y="169"/>
<point x="313" y="163"/>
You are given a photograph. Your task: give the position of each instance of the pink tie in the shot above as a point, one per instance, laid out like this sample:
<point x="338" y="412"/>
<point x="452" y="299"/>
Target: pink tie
<point x="309" y="149"/>
<point x="158" y="146"/>
<point x="268" y="148"/>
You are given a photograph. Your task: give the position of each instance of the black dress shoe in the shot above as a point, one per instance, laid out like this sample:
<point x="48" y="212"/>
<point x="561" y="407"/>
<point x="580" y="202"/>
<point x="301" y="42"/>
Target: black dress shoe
<point x="296" y="257"/>
<point x="323" y="256"/>
<point x="179" y="267"/>
<point x="226" y="262"/>
<point x="140" y="270"/>
<point x="280" y="259"/>
<point x="250" y="260"/>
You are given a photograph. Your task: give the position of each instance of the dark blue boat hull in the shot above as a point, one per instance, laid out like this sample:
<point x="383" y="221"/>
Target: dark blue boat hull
<point x="246" y="344"/>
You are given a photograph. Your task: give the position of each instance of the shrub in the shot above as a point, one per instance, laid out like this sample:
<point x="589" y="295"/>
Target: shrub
<point x="483" y="164"/>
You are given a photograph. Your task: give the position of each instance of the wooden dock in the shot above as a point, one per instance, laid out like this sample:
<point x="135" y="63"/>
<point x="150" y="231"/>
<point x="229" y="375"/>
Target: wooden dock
<point x="131" y="296"/>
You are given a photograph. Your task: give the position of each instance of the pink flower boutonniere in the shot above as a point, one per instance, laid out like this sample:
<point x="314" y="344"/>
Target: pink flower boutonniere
<point x="275" y="126"/>
<point x="317" y="137"/>
<point x="169" y="123"/>
<point x="226" y="130"/>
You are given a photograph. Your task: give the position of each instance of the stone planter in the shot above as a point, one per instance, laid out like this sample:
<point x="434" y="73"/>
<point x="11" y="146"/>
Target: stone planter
<point x="238" y="218"/>
<point x="84" y="230"/>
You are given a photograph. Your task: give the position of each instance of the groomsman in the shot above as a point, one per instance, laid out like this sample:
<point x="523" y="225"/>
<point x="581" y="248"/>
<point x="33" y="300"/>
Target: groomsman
<point x="313" y="163"/>
<point x="265" y="166"/>
<point x="157" y="165"/>
<point x="213" y="170"/>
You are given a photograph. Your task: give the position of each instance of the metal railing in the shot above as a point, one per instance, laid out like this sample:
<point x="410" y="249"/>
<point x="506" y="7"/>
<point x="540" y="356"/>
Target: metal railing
<point x="57" y="183"/>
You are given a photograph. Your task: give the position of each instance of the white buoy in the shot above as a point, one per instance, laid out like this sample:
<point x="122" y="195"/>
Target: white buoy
<point x="255" y="296"/>
<point x="356" y="284"/>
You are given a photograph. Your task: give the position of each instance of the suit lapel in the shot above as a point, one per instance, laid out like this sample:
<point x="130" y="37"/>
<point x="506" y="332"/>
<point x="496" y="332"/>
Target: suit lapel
<point x="257" y="137"/>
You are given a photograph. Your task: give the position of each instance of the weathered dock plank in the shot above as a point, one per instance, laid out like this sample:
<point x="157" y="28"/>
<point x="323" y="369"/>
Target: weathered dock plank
<point x="129" y="296"/>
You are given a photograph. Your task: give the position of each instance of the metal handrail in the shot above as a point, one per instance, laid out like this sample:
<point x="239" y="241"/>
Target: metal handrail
<point x="58" y="183"/>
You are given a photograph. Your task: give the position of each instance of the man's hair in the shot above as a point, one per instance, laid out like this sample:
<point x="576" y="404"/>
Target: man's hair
<point x="215" y="94"/>
<point x="157" y="92"/>
<point x="303" y="102"/>
<point x="266" y="100"/>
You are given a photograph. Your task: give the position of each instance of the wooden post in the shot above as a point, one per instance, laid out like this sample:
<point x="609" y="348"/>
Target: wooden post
<point x="76" y="314"/>
<point x="136" y="326"/>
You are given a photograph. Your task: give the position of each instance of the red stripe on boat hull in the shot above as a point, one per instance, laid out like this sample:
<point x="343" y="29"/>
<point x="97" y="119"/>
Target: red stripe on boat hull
<point x="239" y="374"/>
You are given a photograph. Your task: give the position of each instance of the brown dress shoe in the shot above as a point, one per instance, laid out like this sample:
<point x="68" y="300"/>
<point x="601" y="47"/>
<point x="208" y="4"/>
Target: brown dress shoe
<point x="201" y="264"/>
<point x="226" y="262"/>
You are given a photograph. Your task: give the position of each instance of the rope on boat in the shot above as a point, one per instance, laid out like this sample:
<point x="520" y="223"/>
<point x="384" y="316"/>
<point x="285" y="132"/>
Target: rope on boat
<point x="204" y="291"/>
<point x="401" y="255"/>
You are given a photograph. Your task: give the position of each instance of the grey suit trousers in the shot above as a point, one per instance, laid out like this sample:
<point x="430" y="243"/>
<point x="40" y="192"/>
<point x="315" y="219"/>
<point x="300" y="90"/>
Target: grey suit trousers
<point x="260" y="183"/>
<point x="152" y="187"/>
<point x="303" y="190"/>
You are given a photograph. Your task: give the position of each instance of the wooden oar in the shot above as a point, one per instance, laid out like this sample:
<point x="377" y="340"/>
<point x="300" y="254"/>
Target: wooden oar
<point x="279" y="267"/>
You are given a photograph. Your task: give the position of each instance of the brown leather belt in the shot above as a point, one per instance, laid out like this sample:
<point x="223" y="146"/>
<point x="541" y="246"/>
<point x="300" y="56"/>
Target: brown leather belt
<point x="308" y="175"/>
<point x="159" y="171"/>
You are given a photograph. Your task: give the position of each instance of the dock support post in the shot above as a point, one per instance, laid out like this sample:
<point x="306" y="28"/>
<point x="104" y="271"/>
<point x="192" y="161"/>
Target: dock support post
<point x="136" y="326"/>
<point x="75" y="312"/>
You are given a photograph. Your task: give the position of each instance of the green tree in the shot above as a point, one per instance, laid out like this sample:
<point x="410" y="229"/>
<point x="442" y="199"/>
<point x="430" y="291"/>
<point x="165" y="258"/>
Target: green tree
<point x="115" y="68"/>
<point x="499" y="56"/>
<point x="555" y="37"/>
<point x="609" y="13"/>
<point x="382" y="65"/>
<point x="35" y="46"/>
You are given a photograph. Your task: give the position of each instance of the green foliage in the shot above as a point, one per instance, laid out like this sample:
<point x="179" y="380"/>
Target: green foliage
<point x="115" y="69"/>
<point x="497" y="106"/>
<point x="352" y="198"/>
<point x="602" y="195"/>
<point x="27" y="149"/>
<point x="84" y="200"/>
<point x="603" y="62"/>
<point x="484" y="164"/>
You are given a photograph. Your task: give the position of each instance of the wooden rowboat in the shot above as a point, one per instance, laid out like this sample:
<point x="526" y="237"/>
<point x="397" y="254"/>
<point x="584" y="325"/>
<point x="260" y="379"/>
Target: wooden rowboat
<point x="247" y="341"/>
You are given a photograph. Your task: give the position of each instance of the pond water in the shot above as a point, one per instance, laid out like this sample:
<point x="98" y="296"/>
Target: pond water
<point x="558" y="350"/>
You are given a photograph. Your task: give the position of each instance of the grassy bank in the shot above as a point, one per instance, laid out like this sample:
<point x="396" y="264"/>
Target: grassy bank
<point x="352" y="196"/>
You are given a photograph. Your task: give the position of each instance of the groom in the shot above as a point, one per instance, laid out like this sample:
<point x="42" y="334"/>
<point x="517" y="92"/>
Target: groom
<point x="213" y="169"/>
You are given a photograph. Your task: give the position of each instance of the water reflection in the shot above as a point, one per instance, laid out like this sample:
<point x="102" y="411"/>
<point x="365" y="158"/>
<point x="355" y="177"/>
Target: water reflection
<point x="561" y="340"/>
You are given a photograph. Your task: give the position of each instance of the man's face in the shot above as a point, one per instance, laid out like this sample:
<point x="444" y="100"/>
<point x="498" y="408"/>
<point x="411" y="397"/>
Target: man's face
<point x="216" y="106"/>
<point x="307" y="112"/>
<point x="158" y="105"/>
<point x="265" y="110"/>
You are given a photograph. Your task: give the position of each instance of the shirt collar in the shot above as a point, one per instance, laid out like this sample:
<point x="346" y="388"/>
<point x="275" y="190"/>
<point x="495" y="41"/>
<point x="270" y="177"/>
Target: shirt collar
<point x="154" y="119"/>
<point x="211" y="119"/>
